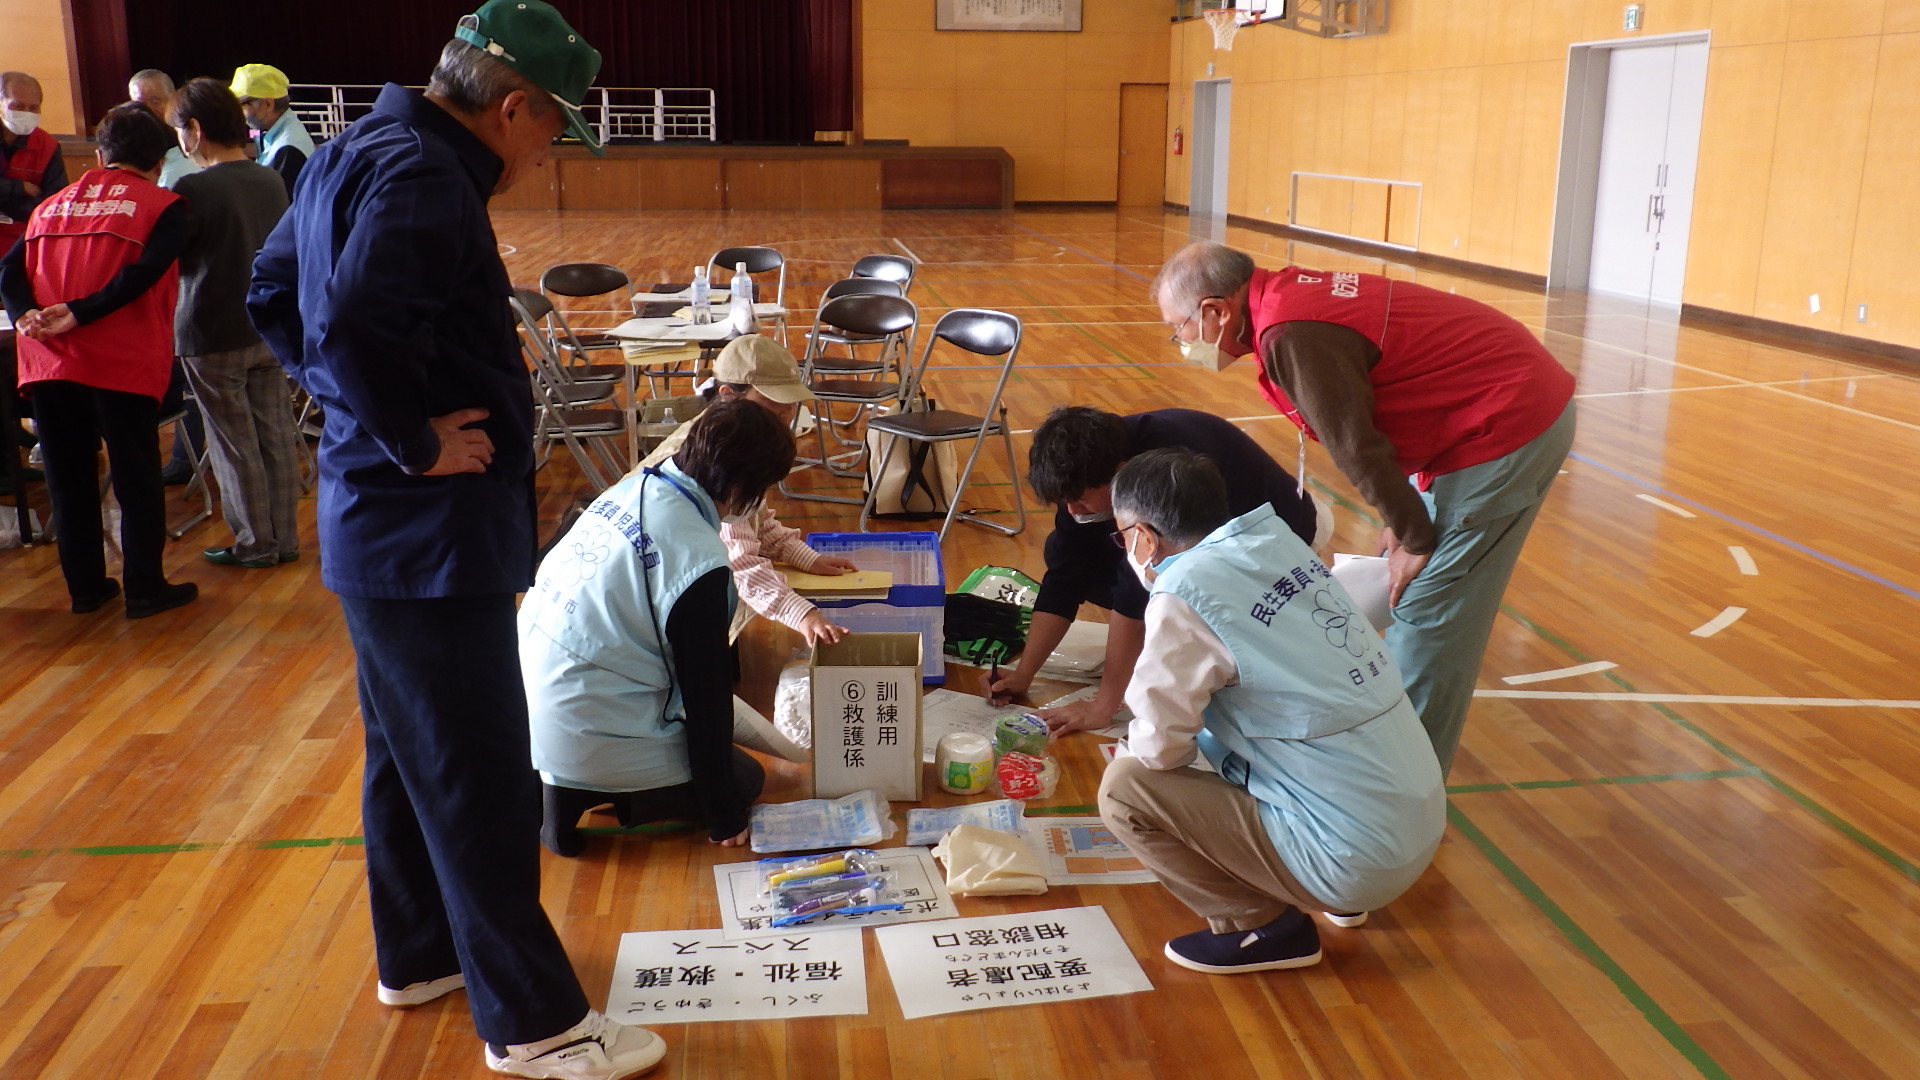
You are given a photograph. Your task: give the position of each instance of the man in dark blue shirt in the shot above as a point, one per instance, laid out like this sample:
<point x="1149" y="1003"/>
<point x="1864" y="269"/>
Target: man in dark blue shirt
<point x="382" y="292"/>
<point x="1075" y="453"/>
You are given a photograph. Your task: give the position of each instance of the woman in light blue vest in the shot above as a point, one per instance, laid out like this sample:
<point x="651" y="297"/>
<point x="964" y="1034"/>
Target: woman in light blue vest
<point x="1320" y="789"/>
<point x="623" y="640"/>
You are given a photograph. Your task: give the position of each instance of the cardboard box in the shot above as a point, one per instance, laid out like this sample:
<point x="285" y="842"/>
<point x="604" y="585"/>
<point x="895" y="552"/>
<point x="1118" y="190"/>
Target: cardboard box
<point x="866" y="716"/>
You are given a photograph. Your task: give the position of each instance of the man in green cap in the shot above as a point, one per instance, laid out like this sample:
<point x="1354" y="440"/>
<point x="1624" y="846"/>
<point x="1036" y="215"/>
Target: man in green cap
<point x="382" y="292"/>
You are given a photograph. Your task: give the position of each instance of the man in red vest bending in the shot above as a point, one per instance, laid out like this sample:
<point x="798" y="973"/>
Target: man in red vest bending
<point x="1449" y="417"/>
<point x="30" y="165"/>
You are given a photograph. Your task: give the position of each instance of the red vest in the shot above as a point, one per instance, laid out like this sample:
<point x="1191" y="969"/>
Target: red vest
<point x="28" y="162"/>
<point x="1458" y="383"/>
<point x="76" y="241"/>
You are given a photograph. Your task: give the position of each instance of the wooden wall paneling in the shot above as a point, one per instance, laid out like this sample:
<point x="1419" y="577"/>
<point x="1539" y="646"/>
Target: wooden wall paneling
<point x="538" y="190"/>
<point x="681" y="184"/>
<point x="1246" y="181"/>
<point x="1143" y="152"/>
<point x="1826" y="94"/>
<point x="1836" y="18"/>
<point x="78" y="163"/>
<point x="599" y="183"/>
<point x="840" y="185"/>
<point x="1420" y="150"/>
<point x="1387" y="126"/>
<point x="1355" y="96"/>
<point x="1496" y="165"/>
<point x="1369" y="218"/>
<point x="943" y="183"/>
<point x="1403" y="217"/>
<point x="1449" y="191"/>
<point x="1539" y="164"/>
<point x="1887" y="232"/>
<point x="1730" y="188"/>
<point x="763" y="185"/>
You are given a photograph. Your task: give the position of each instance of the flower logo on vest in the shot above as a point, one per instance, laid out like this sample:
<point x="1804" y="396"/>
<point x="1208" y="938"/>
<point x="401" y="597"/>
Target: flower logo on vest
<point x="1345" y="630"/>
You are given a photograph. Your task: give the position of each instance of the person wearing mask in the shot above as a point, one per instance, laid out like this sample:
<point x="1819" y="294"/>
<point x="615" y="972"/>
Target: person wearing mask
<point x="285" y="145"/>
<point x="383" y="294"/>
<point x="242" y="391"/>
<point x="620" y="633"/>
<point x="1325" y="794"/>
<point x="91" y="291"/>
<point x="756" y="368"/>
<point x="1448" y="415"/>
<point x="154" y="89"/>
<point x="1074" y="455"/>
<point x="30" y="165"/>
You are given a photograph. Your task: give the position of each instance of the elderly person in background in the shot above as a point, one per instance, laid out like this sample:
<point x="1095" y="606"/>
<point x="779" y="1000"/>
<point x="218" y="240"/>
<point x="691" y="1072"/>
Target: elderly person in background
<point x="91" y="290"/>
<point x="30" y="165"/>
<point x="1449" y="417"/>
<point x="1325" y="793"/>
<point x="285" y="145"/>
<point x="621" y="635"/>
<point x="383" y="293"/>
<point x="241" y="389"/>
<point x="154" y="89"/>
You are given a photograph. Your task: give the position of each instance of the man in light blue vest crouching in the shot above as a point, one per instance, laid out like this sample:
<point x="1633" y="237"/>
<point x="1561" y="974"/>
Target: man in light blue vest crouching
<point x="1327" y="795"/>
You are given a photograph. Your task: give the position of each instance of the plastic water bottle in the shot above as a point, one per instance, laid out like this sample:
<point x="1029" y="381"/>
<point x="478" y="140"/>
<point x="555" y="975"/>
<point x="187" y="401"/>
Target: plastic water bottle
<point x="740" y="306"/>
<point x="697" y="297"/>
<point x="742" y="282"/>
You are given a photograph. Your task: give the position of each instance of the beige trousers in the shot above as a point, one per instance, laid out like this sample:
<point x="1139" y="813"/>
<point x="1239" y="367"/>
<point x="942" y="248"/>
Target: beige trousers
<point x="1203" y="838"/>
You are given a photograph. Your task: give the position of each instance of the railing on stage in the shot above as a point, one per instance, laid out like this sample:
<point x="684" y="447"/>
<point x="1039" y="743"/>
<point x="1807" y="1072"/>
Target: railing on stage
<point x="623" y="113"/>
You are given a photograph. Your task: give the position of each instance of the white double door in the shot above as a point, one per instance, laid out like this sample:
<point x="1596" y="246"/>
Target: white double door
<point x="1649" y="148"/>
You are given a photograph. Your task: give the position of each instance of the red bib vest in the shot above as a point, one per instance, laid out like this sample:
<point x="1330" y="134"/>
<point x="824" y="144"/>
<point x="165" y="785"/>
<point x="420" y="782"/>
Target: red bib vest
<point x="28" y="162"/>
<point x="76" y="241"/>
<point x="1458" y="383"/>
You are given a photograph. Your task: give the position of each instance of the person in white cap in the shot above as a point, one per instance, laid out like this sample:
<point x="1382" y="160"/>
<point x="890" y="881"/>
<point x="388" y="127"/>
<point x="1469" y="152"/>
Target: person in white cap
<point x="759" y="369"/>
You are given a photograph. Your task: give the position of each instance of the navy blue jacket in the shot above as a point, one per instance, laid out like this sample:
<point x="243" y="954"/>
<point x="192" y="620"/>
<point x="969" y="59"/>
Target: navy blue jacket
<point x="382" y="293"/>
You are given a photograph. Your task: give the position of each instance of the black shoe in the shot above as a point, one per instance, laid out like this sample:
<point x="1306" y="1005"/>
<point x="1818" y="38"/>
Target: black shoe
<point x="168" y="598"/>
<point x="1289" y="941"/>
<point x="175" y="473"/>
<point x="289" y="556"/>
<point x="224" y="556"/>
<point x="560" y="810"/>
<point x="87" y="605"/>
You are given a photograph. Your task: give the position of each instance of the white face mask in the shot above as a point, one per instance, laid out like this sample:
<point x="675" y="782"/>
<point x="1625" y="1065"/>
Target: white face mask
<point x="1092" y="519"/>
<point x="21" y="123"/>
<point x="1141" y="568"/>
<point x="1206" y="354"/>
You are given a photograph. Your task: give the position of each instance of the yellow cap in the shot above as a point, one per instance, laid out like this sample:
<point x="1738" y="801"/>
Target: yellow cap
<point x="259" y="81"/>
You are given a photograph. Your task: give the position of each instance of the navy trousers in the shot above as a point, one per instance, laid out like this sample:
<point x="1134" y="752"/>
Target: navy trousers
<point x="451" y="808"/>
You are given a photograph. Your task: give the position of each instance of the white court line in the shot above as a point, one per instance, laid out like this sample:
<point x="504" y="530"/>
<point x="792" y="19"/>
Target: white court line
<point x="1743" y="560"/>
<point x="903" y="247"/>
<point x="1559" y="673"/>
<point x="1705" y="699"/>
<point x="1665" y="505"/>
<point x="1719" y="622"/>
<point x="1742" y="385"/>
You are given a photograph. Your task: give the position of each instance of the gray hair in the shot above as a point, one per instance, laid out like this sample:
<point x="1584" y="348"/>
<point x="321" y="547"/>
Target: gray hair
<point x="9" y="79"/>
<point x="1199" y="270"/>
<point x="154" y="77"/>
<point x="1177" y="493"/>
<point x="470" y="81"/>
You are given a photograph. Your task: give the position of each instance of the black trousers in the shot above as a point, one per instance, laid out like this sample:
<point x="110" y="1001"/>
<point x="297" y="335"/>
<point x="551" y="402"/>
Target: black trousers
<point x="451" y="808"/>
<point x="73" y="419"/>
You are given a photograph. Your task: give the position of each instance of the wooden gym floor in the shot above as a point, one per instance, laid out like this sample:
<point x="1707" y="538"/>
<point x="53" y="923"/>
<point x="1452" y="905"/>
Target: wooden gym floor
<point x="1695" y="859"/>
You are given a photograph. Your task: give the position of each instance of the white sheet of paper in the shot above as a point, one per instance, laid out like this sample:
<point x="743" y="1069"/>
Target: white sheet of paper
<point x="1080" y="655"/>
<point x="943" y="710"/>
<point x="1083" y="851"/>
<point x="1365" y="579"/>
<point x="668" y="330"/>
<point x="1115" y="730"/>
<point x="676" y="976"/>
<point x="963" y="965"/>
<point x="916" y="877"/>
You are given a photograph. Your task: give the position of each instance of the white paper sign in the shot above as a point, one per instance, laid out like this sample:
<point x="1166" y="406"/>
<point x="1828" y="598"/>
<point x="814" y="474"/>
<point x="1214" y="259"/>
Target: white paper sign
<point x="866" y="731"/>
<point x="1083" y="851"/>
<point x="961" y="965"/>
<point x="675" y="976"/>
<point x="1367" y="580"/>
<point x="943" y="711"/>
<point x="917" y="881"/>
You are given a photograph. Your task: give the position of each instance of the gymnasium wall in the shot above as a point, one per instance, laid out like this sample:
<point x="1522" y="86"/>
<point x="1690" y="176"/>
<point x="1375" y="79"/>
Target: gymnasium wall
<point x="1808" y="151"/>
<point x="33" y="39"/>
<point x="1052" y="100"/>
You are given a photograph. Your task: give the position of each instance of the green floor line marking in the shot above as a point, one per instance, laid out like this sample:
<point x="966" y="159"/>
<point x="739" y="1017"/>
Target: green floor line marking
<point x="1899" y="864"/>
<point x="1743" y="773"/>
<point x="1668" y="1028"/>
<point x="1342" y="501"/>
<point x="1060" y="811"/>
<point x="1081" y="329"/>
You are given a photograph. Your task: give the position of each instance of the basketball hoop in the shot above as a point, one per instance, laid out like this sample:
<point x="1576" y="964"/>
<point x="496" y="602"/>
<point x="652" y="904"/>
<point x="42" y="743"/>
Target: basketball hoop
<point x="1225" y="24"/>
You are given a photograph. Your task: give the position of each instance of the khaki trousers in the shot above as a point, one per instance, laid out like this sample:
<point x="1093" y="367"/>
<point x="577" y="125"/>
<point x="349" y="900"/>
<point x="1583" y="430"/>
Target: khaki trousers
<point x="1203" y="838"/>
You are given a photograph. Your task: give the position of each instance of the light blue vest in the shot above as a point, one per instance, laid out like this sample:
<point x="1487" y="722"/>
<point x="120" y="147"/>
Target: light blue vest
<point x="174" y="166"/>
<point x="604" y="707"/>
<point x="1318" y="728"/>
<point x="286" y="131"/>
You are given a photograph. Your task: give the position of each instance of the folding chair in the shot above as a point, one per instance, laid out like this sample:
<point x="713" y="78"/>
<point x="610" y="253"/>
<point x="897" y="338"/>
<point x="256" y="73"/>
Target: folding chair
<point x="759" y="260"/>
<point x="561" y="336"/>
<point x="588" y="433"/>
<point x="583" y="280"/>
<point x="876" y="317"/>
<point x="982" y="333"/>
<point x="852" y="364"/>
<point x="895" y="268"/>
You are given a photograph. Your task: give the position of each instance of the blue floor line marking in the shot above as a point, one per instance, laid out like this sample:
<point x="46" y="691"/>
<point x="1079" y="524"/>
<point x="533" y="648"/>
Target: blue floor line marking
<point x="1904" y="590"/>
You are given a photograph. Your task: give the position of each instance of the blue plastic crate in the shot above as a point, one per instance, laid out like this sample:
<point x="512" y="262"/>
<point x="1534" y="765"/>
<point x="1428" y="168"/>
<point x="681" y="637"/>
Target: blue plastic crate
<point x="917" y="602"/>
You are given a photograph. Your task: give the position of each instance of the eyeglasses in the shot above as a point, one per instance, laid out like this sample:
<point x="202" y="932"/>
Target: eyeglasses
<point x="1197" y="309"/>
<point x="1119" y="536"/>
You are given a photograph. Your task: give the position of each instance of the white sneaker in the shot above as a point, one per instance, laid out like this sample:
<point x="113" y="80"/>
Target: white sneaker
<point x="596" y="1048"/>
<point x="1358" y="918"/>
<point x="421" y="992"/>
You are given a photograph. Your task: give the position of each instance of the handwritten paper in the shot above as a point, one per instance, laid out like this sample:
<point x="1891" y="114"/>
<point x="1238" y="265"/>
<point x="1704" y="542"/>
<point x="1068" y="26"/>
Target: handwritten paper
<point x="675" y="976"/>
<point x="963" y="965"/>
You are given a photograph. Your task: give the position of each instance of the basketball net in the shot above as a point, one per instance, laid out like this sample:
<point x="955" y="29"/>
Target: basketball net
<point x="1224" y="25"/>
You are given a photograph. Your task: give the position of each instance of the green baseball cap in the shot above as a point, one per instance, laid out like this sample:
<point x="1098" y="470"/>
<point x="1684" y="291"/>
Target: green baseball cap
<point x="534" y="39"/>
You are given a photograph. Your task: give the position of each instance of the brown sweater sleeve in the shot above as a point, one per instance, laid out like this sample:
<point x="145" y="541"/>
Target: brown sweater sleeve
<point x="1324" y="368"/>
